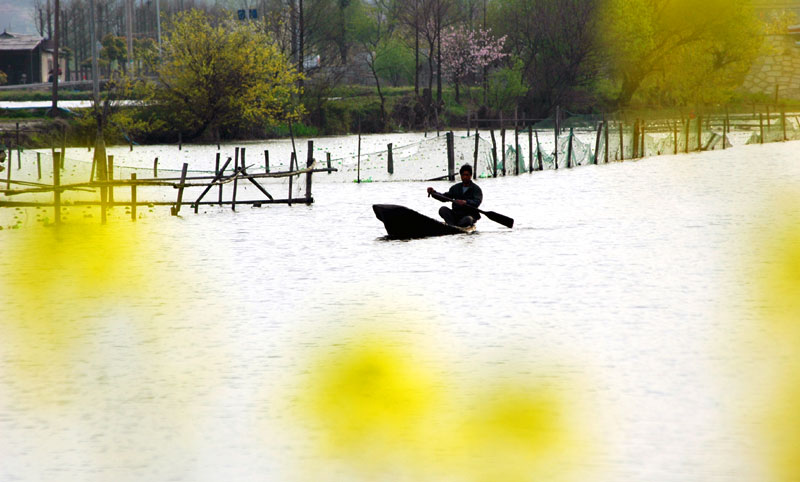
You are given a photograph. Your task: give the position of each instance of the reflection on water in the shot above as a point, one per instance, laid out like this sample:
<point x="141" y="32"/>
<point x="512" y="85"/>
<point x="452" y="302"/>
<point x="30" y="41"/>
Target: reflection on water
<point x="184" y="355"/>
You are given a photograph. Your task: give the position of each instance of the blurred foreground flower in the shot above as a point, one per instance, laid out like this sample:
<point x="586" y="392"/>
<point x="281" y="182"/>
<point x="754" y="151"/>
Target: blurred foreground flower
<point x="381" y="407"/>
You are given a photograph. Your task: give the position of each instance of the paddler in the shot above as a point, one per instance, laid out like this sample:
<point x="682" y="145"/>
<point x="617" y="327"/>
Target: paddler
<point x="465" y="194"/>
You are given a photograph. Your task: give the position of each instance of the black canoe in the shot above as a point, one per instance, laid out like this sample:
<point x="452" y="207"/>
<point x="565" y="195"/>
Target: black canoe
<point x="404" y="223"/>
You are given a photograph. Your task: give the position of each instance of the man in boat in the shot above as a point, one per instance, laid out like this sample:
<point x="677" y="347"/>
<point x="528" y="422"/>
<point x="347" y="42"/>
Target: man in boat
<point x="465" y="195"/>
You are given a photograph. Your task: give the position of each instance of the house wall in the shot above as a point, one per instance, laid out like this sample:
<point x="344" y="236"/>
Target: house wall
<point x="779" y="65"/>
<point x="46" y="67"/>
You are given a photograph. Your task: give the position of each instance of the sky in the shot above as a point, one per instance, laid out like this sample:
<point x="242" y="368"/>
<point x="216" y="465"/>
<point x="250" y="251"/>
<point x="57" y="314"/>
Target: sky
<point x="17" y="16"/>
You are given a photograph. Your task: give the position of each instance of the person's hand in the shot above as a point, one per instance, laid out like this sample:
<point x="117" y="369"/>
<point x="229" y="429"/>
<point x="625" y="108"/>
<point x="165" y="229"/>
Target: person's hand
<point x="460" y="202"/>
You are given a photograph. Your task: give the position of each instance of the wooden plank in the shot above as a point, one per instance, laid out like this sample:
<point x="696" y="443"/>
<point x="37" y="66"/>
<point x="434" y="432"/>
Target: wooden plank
<point x="175" y="210"/>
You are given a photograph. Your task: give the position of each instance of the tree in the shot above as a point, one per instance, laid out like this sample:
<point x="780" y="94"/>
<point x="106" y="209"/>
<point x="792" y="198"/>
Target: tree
<point x="374" y="31"/>
<point x="394" y="62"/>
<point x="466" y="52"/>
<point x="554" y="42"/>
<point x="679" y="50"/>
<point x="228" y="74"/>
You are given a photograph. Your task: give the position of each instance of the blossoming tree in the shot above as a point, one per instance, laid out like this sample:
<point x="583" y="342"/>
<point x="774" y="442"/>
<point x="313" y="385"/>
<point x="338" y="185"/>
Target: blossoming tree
<point x="466" y="52"/>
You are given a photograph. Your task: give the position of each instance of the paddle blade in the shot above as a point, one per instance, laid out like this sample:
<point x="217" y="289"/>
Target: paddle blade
<point x="499" y="218"/>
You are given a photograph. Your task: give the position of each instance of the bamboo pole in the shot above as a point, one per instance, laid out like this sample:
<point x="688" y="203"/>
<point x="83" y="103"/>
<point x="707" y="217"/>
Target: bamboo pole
<point x="389" y="159"/>
<point x="236" y="178"/>
<point x="155" y="167"/>
<point x="494" y="153"/>
<point x="475" y="152"/>
<point x="597" y="142"/>
<point x="38" y="165"/>
<point x="309" y="163"/>
<point x="451" y="158"/>
<point x="110" y="178"/>
<point x="503" y="147"/>
<point x="530" y="149"/>
<point x="218" y="174"/>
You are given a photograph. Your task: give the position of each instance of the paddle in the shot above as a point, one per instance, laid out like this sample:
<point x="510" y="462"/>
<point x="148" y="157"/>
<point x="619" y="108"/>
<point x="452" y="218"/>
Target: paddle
<point x="496" y="217"/>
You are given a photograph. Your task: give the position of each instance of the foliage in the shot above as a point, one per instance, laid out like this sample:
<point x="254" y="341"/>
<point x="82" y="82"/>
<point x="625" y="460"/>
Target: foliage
<point x="680" y="51"/>
<point x="222" y="76"/>
<point x="3" y="78"/>
<point x="779" y="23"/>
<point x="506" y="87"/>
<point x="395" y="62"/>
<point x="114" y="50"/>
<point x="554" y="42"/>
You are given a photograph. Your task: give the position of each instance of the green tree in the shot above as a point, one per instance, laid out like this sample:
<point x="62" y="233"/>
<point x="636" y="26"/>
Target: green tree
<point x="223" y="75"/>
<point x="679" y="51"/>
<point x="3" y="78"/>
<point x="114" y="50"/>
<point x="395" y="62"/>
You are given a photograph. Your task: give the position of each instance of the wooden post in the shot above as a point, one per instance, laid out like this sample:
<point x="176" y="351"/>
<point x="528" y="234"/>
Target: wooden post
<point x="155" y="167"/>
<point x="469" y="118"/>
<point x="451" y="158"/>
<point x="133" y="197"/>
<point x="328" y="156"/>
<point x="19" y="161"/>
<point x="699" y="132"/>
<point x="56" y="190"/>
<point x="569" y="149"/>
<point x="241" y="158"/>
<point x="761" y="126"/>
<point x="516" y="148"/>
<point x="358" y="168"/>
<point x="724" y="130"/>
<point x="605" y="137"/>
<point x="621" y="143"/>
<point x="503" y="148"/>
<point x="177" y="208"/>
<point x="675" y="137"/>
<point x="538" y="151"/>
<point x="783" y="117"/>
<point x="635" y="139"/>
<point x="8" y="170"/>
<point x="390" y="159"/>
<point x="555" y="129"/>
<point x="769" y="122"/>
<point x="641" y="139"/>
<point x="39" y="165"/>
<point x="686" y="141"/>
<point x="180" y="141"/>
<point x="475" y="152"/>
<point x="110" y="178"/>
<point x="218" y="173"/>
<point x="494" y="153"/>
<point x="309" y="163"/>
<point x="236" y="178"/>
<point x="266" y="161"/>
<point x="597" y="142"/>
<point x="530" y="149"/>
<point x="291" y="167"/>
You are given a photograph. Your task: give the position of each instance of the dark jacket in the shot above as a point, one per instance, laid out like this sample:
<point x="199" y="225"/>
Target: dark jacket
<point x="473" y="195"/>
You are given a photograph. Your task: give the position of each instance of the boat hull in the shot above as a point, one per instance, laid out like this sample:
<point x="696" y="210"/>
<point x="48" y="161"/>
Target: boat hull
<point x="404" y="223"/>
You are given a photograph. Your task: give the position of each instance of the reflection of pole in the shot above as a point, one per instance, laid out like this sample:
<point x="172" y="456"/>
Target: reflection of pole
<point x="158" y="25"/>
<point x="93" y="42"/>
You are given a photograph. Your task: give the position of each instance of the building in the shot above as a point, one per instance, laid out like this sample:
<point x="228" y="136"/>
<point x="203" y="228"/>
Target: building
<point x="28" y="59"/>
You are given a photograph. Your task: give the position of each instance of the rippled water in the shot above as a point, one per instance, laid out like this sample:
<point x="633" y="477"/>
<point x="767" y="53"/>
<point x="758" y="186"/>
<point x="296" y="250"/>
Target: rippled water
<point x="627" y="276"/>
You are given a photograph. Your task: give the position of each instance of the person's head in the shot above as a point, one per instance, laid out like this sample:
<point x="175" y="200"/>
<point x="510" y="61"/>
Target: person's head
<point x="466" y="173"/>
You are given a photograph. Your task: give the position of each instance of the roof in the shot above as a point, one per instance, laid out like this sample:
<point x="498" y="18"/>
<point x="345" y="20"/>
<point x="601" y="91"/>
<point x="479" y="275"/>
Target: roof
<point x="19" y="41"/>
